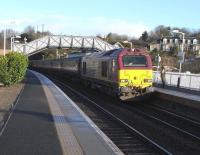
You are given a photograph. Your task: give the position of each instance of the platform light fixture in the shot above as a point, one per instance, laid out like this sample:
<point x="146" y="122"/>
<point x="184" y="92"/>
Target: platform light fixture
<point x="181" y="54"/>
<point x="4" y="41"/>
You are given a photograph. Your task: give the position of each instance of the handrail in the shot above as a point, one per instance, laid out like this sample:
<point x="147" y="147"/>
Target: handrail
<point x="62" y="41"/>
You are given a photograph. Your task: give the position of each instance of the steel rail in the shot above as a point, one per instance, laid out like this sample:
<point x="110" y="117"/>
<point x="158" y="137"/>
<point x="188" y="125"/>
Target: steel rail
<point x="173" y="114"/>
<point x="162" y="149"/>
<point x="168" y="124"/>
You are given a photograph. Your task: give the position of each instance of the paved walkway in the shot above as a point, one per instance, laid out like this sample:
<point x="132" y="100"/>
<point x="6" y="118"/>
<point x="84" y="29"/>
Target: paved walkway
<point x="30" y="129"/>
<point x="183" y="90"/>
<point x="187" y="94"/>
<point x="46" y="122"/>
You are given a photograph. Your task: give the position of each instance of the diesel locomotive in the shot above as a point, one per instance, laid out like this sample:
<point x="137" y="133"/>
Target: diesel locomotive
<point x="126" y="73"/>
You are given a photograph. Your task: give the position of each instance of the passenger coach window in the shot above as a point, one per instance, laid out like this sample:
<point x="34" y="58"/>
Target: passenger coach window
<point x="104" y="69"/>
<point x="134" y="61"/>
<point x="84" y="67"/>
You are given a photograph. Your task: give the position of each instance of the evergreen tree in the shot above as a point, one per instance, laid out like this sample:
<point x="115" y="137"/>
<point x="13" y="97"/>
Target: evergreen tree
<point x="144" y="36"/>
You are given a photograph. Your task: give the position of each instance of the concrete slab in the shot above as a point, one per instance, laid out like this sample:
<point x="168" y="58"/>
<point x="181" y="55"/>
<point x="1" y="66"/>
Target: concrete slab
<point x="89" y="137"/>
<point x="178" y="94"/>
<point x="30" y="129"/>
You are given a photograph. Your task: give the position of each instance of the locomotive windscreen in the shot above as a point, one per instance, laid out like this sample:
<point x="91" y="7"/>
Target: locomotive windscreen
<point x="134" y="61"/>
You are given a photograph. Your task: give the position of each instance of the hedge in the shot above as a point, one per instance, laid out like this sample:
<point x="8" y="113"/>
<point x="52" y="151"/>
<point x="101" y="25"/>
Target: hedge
<point x="12" y="68"/>
<point x="3" y="69"/>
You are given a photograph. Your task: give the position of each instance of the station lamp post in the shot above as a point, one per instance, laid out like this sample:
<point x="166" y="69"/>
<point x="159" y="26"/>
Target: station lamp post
<point x="181" y="54"/>
<point x="127" y="42"/>
<point x="4" y="42"/>
<point x="25" y="43"/>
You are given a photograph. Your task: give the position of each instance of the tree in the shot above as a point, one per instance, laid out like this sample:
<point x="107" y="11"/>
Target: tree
<point x="12" y="68"/>
<point x="27" y="36"/>
<point x="162" y="31"/>
<point x="31" y="34"/>
<point x="173" y="51"/>
<point x="112" y="38"/>
<point x="144" y="36"/>
<point x="159" y="32"/>
<point x="138" y="43"/>
<point x="29" y="30"/>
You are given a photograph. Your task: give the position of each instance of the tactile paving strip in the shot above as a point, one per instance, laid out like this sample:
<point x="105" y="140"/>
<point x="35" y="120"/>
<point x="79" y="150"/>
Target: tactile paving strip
<point x="69" y="143"/>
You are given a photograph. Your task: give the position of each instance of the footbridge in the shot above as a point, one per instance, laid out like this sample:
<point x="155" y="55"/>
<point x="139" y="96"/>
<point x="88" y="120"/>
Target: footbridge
<point x="61" y="41"/>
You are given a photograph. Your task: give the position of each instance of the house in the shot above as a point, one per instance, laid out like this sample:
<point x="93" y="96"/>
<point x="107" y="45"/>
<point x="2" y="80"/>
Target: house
<point x="167" y="43"/>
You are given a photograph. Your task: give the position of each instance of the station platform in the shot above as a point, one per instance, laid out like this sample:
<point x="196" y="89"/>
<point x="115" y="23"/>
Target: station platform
<point x="46" y="121"/>
<point x="184" y="96"/>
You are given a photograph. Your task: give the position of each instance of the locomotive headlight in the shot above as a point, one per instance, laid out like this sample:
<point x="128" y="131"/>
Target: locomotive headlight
<point x="147" y="80"/>
<point x="123" y="80"/>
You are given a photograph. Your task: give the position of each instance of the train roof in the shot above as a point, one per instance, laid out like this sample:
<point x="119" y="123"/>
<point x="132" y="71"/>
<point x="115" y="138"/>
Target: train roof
<point x="116" y="52"/>
<point x="104" y="53"/>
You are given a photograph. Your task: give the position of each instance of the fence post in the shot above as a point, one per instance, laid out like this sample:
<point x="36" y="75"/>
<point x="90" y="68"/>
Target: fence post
<point x="170" y="79"/>
<point x="190" y="82"/>
<point x="179" y="81"/>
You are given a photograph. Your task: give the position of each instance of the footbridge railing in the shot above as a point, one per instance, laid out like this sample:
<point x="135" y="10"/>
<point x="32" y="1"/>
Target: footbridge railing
<point x="55" y="41"/>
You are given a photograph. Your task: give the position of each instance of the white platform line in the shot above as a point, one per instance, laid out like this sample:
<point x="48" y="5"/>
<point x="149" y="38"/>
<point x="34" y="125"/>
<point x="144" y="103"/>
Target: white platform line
<point x="92" y="124"/>
<point x="69" y="143"/>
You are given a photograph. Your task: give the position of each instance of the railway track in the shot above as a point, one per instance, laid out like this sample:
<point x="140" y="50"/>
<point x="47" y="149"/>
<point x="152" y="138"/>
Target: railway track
<point x="126" y="137"/>
<point x="179" y="135"/>
<point x="156" y="107"/>
<point x="182" y="124"/>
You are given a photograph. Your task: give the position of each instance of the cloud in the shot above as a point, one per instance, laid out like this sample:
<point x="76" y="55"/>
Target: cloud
<point x="97" y="25"/>
<point x="133" y="29"/>
<point x="60" y="24"/>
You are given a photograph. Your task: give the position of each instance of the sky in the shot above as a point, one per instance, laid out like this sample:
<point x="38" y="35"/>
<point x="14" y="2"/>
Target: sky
<point x="93" y="17"/>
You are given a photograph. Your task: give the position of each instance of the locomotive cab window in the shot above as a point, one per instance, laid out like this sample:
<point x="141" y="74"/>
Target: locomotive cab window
<point x="134" y="61"/>
<point x="104" y="68"/>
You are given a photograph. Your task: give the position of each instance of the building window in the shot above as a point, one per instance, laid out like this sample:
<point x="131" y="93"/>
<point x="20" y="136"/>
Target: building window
<point x="176" y="41"/>
<point x="104" y="68"/>
<point x="194" y="41"/>
<point x="164" y="41"/>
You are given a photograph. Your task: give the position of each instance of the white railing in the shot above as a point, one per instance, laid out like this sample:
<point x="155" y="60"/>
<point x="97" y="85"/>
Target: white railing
<point x="76" y="42"/>
<point x="188" y="81"/>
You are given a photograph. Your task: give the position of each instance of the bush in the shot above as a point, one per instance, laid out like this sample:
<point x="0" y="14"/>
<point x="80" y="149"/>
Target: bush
<point x="3" y="69"/>
<point x="13" y="68"/>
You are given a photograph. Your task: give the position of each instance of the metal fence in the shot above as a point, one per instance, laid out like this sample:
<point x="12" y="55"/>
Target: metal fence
<point x="188" y="81"/>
